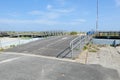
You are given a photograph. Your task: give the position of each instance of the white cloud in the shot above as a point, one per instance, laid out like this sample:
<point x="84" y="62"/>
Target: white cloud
<point x="75" y="22"/>
<point x="117" y="2"/>
<point x="45" y="15"/>
<point x="14" y="14"/>
<point x="80" y="20"/>
<point x="51" y="14"/>
<point x="64" y="10"/>
<point x="49" y="7"/>
<point x="37" y="21"/>
<point x="35" y="12"/>
<point x="42" y="22"/>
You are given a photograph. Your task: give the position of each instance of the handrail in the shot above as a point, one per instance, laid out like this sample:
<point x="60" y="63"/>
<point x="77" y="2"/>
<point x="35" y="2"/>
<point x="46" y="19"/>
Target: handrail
<point x="79" y="41"/>
<point x="62" y="52"/>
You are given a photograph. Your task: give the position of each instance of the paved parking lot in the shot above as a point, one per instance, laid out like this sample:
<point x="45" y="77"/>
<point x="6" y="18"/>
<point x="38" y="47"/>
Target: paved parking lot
<point x="14" y="66"/>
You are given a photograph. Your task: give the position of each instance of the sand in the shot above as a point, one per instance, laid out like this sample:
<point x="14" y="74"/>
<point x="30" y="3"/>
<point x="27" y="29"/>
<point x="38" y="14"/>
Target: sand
<point x="107" y="56"/>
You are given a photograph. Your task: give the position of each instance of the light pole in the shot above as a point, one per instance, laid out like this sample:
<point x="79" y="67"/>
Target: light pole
<point x="18" y="38"/>
<point x="97" y="18"/>
<point x="0" y="43"/>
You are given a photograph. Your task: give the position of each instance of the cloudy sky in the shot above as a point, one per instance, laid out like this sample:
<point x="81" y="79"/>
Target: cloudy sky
<point x="68" y="15"/>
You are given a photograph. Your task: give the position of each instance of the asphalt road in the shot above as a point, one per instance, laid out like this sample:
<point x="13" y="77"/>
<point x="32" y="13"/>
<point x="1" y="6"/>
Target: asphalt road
<point x="47" y="47"/>
<point x="14" y="66"/>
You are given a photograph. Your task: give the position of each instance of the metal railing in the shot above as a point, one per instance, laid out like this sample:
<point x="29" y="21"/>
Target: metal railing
<point x="80" y="42"/>
<point x="64" y="53"/>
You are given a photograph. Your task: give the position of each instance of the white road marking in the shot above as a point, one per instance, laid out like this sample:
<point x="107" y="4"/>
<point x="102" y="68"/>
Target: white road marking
<point x="64" y="38"/>
<point x="9" y="60"/>
<point x="41" y="56"/>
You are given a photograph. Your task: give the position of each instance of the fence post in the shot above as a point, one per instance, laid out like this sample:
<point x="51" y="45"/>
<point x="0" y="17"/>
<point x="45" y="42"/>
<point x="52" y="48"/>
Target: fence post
<point x="71" y="48"/>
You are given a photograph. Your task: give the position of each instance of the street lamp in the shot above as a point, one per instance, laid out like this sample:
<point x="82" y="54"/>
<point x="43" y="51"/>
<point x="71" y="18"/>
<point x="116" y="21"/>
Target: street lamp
<point x="18" y="38"/>
<point x="0" y="43"/>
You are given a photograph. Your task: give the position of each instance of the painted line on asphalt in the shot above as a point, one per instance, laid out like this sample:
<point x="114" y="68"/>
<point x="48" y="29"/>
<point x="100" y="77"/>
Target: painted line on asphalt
<point x="9" y="60"/>
<point x="40" y="56"/>
<point x="64" y="38"/>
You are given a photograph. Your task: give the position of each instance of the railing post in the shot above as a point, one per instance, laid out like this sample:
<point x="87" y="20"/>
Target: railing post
<point x="79" y="42"/>
<point x="18" y="39"/>
<point x="71" y="47"/>
<point x="72" y="54"/>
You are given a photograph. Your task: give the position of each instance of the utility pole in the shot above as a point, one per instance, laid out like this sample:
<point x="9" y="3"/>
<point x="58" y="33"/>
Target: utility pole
<point x="18" y="38"/>
<point x="0" y="43"/>
<point x="97" y="18"/>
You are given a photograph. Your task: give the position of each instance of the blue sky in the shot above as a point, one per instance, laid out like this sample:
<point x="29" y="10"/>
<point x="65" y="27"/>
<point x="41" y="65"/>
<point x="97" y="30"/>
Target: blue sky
<point x="68" y="15"/>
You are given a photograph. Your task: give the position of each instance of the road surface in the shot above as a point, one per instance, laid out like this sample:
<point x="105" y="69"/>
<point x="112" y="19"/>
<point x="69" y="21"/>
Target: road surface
<point x="47" y="47"/>
<point x="26" y="63"/>
<point x="14" y="66"/>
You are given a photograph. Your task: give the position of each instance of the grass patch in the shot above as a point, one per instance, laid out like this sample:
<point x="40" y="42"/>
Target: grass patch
<point x="92" y="50"/>
<point x="85" y="47"/>
<point x="12" y="46"/>
<point x="91" y="47"/>
<point x="101" y="46"/>
<point x="73" y="33"/>
<point x="1" y="49"/>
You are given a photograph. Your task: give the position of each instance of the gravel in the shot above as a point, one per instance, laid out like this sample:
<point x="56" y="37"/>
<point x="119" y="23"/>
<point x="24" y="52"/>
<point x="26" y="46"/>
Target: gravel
<point x="107" y="56"/>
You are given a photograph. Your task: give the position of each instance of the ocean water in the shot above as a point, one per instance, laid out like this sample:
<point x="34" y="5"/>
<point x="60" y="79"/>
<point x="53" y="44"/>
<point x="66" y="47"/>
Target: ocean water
<point x="105" y="41"/>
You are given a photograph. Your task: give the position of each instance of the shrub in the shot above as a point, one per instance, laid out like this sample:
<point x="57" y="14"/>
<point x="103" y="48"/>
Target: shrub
<point x="85" y="47"/>
<point x="1" y="49"/>
<point x="73" y="33"/>
<point x="12" y="45"/>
